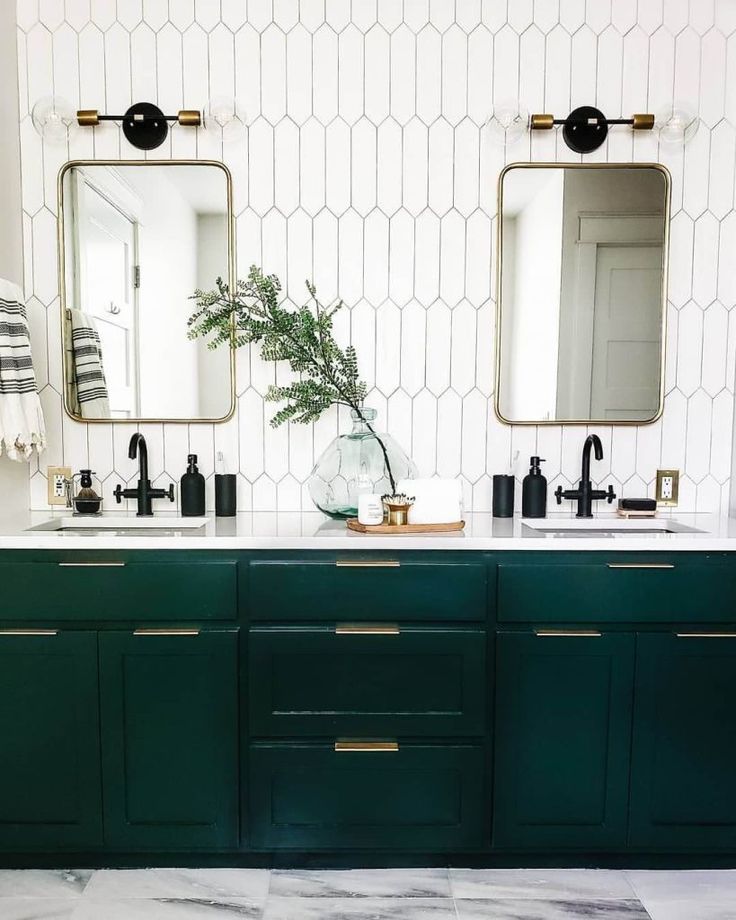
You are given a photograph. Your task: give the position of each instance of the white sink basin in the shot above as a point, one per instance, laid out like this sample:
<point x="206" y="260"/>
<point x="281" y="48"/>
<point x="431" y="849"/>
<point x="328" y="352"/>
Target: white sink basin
<point x="119" y="522"/>
<point x="610" y="525"/>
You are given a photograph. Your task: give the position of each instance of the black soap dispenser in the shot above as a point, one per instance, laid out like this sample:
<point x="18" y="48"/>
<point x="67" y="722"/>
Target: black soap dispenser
<point x="534" y="492"/>
<point x="192" y="490"/>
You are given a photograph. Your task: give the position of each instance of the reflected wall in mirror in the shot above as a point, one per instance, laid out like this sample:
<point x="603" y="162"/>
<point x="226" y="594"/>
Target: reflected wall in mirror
<point x="136" y="239"/>
<point x="581" y="293"/>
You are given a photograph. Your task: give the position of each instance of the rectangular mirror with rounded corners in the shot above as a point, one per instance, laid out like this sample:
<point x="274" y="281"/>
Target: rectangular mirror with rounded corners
<point x="581" y="293"/>
<point x="136" y="238"/>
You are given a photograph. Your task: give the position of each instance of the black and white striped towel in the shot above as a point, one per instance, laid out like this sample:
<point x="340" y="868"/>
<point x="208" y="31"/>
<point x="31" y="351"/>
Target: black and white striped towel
<point x="88" y="371"/>
<point x="21" y="417"/>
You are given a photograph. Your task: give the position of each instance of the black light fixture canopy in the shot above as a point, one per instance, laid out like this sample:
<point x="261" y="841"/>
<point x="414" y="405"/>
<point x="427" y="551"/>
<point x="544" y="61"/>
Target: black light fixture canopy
<point x="586" y="128"/>
<point x="144" y="124"/>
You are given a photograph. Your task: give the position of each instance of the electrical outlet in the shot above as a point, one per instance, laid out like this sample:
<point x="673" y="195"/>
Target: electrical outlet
<point x="668" y="487"/>
<point x="57" y="478"/>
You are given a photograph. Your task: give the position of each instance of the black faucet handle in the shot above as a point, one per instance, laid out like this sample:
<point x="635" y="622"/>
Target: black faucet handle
<point x="170" y="494"/>
<point x="558" y="494"/>
<point x="118" y="493"/>
<point x="610" y="495"/>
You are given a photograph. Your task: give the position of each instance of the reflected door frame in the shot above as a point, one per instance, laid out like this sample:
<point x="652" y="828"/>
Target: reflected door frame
<point x="594" y="230"/>
<point x="115" y="193"/>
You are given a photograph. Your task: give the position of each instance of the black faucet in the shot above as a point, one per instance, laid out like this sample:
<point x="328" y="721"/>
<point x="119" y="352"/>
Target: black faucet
<point x="143" y="492"/>
<point x="585" y="494"/>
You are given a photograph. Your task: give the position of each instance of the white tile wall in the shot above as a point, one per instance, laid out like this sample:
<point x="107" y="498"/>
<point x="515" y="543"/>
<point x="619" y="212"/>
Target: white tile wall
<point x="367" y="168"/>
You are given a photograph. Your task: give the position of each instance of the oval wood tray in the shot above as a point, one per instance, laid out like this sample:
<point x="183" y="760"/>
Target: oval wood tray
<point x="354" y="524"/>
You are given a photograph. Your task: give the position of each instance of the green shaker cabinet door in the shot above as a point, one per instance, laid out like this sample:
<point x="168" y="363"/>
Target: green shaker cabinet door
<point x="683" y="791"/>
<point x="169" y="739"/>
<point x="49" y="741"/>
<point x="563" y="730"/>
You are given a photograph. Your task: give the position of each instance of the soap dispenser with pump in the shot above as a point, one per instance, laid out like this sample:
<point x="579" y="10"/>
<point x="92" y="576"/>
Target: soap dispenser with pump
<point x="534" y="491"/>
<point x="192" y="490"/>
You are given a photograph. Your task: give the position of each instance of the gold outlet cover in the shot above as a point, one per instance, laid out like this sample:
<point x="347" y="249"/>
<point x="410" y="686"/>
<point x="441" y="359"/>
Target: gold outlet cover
<point x="674" y="475"/>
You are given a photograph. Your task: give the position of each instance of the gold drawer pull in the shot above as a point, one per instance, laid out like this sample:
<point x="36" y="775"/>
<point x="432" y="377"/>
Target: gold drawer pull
<point x="367" y="563"/>
<point x="29" y="632"/>
<point x="640" y="565"/>
<point x="91" y="565"/>
<point x="166" y="632"/>
<point x="367" y="629"/>
<point x="705" y="635"/>
<point x="365" y="746"/>
<point x="567" y="633"/>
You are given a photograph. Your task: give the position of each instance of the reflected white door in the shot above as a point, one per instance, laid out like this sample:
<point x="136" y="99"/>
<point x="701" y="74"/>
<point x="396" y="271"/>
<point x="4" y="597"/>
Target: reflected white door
<point x="626" y="331"/>
<point x="106" y="289"/>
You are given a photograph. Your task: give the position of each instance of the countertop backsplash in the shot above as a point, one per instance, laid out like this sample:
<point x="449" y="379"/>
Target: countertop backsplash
<point x="366" y="167"/>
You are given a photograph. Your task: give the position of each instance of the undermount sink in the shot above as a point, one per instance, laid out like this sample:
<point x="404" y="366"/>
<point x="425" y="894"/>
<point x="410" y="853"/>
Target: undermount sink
<point x="582" y="527"/>
<point x="119" y="522"/>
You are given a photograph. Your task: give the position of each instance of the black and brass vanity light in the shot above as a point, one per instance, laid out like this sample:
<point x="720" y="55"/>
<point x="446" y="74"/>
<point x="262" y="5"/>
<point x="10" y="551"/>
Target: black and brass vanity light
<point x="144" y="125"/>
<point x="586" y="127"/>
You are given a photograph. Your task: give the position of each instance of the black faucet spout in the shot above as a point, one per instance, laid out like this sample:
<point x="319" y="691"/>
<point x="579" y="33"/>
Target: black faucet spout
<point x="585" y="495"/>
<point x="143" y="493"/>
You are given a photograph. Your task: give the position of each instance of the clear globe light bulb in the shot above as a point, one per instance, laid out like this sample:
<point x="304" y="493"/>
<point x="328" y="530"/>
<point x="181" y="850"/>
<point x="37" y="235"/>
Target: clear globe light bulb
<point x="224" y="118"/>
<point x="508" y="122"/>
<point x="53" y="118"/>
<point x="676" y="124"/>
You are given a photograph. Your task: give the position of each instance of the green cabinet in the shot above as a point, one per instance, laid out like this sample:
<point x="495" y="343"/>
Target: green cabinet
<point x="563" y="729"/>
<point x="683" y="788"/>
<point x="418" y="797"/>
<point x="365" y="680"/>
<point x="49" y="741"/>
<point x="169" y="739"/>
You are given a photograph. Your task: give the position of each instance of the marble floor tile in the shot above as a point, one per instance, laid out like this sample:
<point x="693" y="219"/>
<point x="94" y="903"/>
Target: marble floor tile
<point x="38" y="908"/>
<point x="687" y="885"/>
<point x="714" y="909"/>
<point x="201" y="884"/>
<point x="173" y="909"/>
<point x="361" y="883"/>
<point x="537" y="909"/>
<point x="359" y="909"/>
<point x="549" y="884"/>
<point x="42" y="883"/>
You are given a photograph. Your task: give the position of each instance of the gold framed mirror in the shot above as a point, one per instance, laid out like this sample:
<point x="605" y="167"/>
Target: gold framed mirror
<point x="135" y="239"/>
<point x="581" y="293"/>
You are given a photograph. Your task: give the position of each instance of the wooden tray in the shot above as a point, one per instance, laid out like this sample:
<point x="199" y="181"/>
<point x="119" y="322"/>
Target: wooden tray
<point x="354" y="524"/>
<point x="627" y="513"/>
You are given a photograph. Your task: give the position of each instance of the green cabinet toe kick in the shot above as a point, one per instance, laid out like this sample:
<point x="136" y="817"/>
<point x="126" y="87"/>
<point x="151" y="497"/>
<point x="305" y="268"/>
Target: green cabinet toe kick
<point x="405" y="708"/>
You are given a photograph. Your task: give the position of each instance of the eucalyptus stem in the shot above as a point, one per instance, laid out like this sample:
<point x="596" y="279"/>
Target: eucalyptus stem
<point x="254" y="313"/>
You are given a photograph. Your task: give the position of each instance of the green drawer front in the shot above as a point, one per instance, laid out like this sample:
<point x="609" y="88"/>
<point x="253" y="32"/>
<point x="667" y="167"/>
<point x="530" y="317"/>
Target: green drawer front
<point x="419" y="797"/>
<point x="78" y="589"/>
<point x="354" y="590"/>
<point x="319" y="681"/>
<point x="609" y="590"/>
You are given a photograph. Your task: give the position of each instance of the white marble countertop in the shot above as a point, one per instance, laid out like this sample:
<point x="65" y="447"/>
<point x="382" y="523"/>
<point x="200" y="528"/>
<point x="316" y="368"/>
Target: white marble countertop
<point x="314" y="531"/>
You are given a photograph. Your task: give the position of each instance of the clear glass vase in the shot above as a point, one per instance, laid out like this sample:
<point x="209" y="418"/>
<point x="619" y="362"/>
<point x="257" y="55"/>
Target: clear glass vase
<point x="354" y="463"/>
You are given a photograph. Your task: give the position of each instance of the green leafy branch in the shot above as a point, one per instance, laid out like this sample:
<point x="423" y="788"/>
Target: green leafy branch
<point x="254" y="313"/>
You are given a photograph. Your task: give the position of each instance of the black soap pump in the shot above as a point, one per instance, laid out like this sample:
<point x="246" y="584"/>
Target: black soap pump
<point x="534" y="492"/>
<point x="192" y="490"/>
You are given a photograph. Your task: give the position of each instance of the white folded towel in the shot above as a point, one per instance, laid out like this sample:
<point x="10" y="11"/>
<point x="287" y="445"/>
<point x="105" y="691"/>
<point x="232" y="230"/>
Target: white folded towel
<point x="90" y="387"/>
<point x="21" y="417"/>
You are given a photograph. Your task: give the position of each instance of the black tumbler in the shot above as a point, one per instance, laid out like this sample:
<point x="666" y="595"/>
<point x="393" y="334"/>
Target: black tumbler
<point x="503" y="496"/>
<point x="226" y="494"/>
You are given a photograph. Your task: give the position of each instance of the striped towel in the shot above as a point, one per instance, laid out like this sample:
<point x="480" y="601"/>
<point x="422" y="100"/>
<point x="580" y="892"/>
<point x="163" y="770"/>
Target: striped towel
<point x="88" y="374"/>
<point x="21" y="417"/>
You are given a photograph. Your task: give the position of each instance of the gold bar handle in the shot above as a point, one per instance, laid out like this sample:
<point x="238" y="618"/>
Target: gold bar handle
<point x="567" y="633"/>
<point x="166" y="632"/>
<point x="29" y="632"/>
<point x="367" y="629"/>
<point x="367" y="563"/>
<point x="641" y="565"/>
<point x="365" y="746"/>
<point x="91" y="565"/>
<point x="706" y="635"/>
